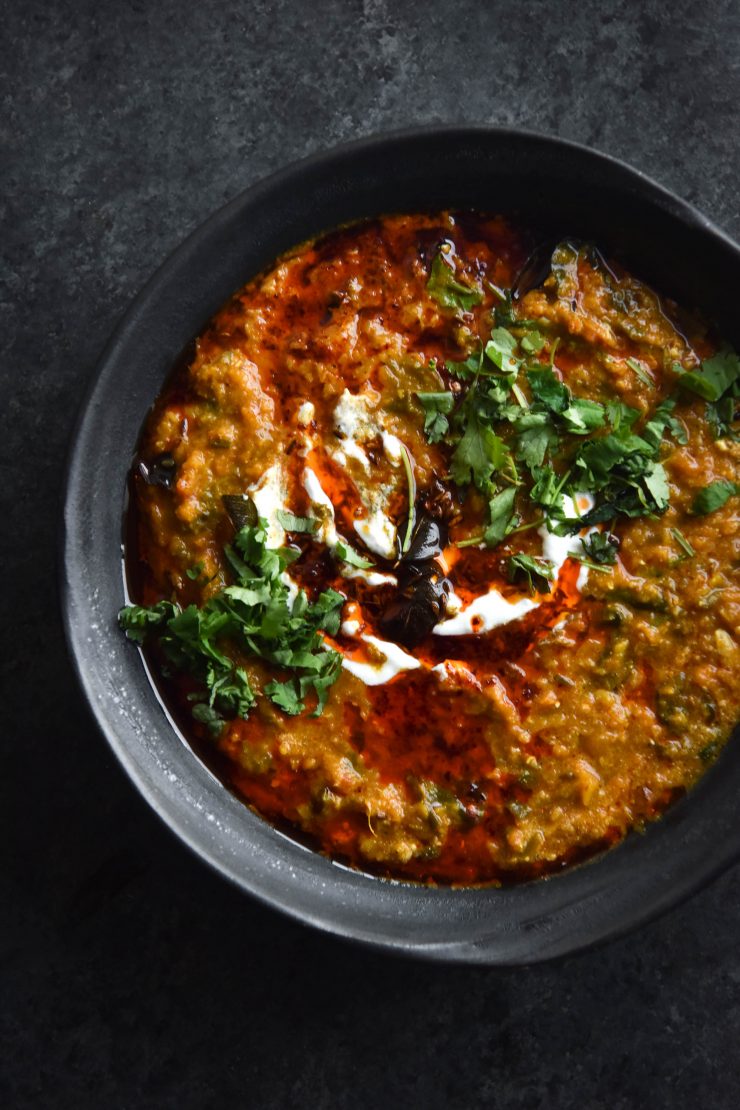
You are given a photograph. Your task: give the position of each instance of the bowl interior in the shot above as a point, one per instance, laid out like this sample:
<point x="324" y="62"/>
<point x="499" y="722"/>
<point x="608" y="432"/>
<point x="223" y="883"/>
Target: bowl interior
<point x="556" y="187"/>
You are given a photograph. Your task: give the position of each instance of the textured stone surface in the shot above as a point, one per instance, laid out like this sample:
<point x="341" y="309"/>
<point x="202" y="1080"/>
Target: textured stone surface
<point x="132" y="976"/>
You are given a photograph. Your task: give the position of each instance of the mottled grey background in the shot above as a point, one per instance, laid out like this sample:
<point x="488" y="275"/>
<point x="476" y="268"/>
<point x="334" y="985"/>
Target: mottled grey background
<point x="132" y="976"/>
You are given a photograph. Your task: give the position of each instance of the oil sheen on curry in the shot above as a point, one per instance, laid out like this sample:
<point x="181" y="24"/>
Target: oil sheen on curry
<point x="435" y="534"/>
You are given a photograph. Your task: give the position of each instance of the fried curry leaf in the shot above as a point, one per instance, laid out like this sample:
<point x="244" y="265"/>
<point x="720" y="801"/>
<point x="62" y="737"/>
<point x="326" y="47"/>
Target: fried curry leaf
<point x="714" y="496"/>
<point x="445" y="288"/>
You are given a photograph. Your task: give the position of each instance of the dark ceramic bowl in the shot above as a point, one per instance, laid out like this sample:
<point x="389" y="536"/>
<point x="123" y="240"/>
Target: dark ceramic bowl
<point x="563" y="188"/>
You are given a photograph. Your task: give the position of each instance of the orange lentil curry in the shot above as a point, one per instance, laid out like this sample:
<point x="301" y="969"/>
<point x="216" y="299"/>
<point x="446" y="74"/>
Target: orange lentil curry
<point x="434" y="541"/>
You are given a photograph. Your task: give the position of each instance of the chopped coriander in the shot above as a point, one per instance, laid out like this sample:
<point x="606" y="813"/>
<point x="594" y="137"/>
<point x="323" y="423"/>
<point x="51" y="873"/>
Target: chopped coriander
<point x="721" y="415"/>
<point x="501" y="514"/>
<point x="714" y="378"/>
<point x="256" y="617"/>
<point x="348" y="555"/>
<point x="138" y="621"/>
<point x="501" y="349"/>
<point x="537" y="572"/>
<point x="601" y="548"/>
<point x="445" y="288"/>
<point x="641" y="372"/>
<point x="194" y="572"/>
<point x="548" y="389"/>
<point x="437" y="407"/>
<point x="714" y="496"/>
<point x="479" y="453"/>
<point x="533" y="342"/>
<point x="206" y="715"/>
<point x="293" y="523"/>
<point x="683" y="543"/>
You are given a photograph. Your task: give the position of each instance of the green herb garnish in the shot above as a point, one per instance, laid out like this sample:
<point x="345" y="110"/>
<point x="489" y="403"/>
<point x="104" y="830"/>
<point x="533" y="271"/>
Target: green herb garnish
<point x="683" y="543"/>
<point x="715" y="377"/>
<point x="437" y="407"/>
<point x="501" y="515"/>
<point x="641" y="372"/>
<point x="254" y="616"/>
<point x="348" y="555"/>
<point x="445" y="288"/>
<point x="537" y="572"/>
<point x="293" y="523"/>
<point x="601" y="548"/>
<point x="714" y="496"/>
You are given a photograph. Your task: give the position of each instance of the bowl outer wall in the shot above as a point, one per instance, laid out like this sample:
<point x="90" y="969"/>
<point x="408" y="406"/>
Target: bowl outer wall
<point x="558" y="185"/>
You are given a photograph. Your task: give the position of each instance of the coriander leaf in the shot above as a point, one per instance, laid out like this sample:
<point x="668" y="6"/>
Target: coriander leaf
<point x="293" y="523"/>
<point x="547" y="489"/>
<point x="714" y="496"/>
<point x="138" y="622"/>
<point x="446" y="290"/>
<point x="620" y="415"/>
<point x="535" y="441"/>
<point x="500" y="349"/>
<point x="501" y="512"/>
<point x="583" y="416"/>
<point x="285" y="696"/>
<point x="348" y="554"/>
<point x="260" y="616"/>
<point x="547" y="389"/>
<point x="601" y="548"/>
<point x="258" y="594"/>
<point x="532" y="342"/>
<point x="716" y="375"/>
<point x="537" y="572"/>
<point x="330" y="671"/>
<point x="656" y="483"/>
<point x="662" y="420"/>
<point x="206" y="715"/>
<point x="326" y="611"/>
<point x="721" y="416"/>
<point x="437" y="407"/>
<point x="467" y="369"/>
<point x="194" y="572"/>
<point x="479" y="453"/>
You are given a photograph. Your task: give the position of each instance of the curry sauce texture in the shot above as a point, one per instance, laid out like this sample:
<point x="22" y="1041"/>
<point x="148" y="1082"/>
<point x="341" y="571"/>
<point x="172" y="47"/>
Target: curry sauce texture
<point x="435" y="545"/>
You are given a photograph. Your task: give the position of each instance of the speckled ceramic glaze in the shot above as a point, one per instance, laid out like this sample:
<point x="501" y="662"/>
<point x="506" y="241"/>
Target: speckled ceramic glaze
<point x="564" y="190"/>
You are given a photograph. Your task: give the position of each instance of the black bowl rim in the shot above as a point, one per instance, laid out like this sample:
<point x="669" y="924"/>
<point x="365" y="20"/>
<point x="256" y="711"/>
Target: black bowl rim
<point x="478" y="950"/>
